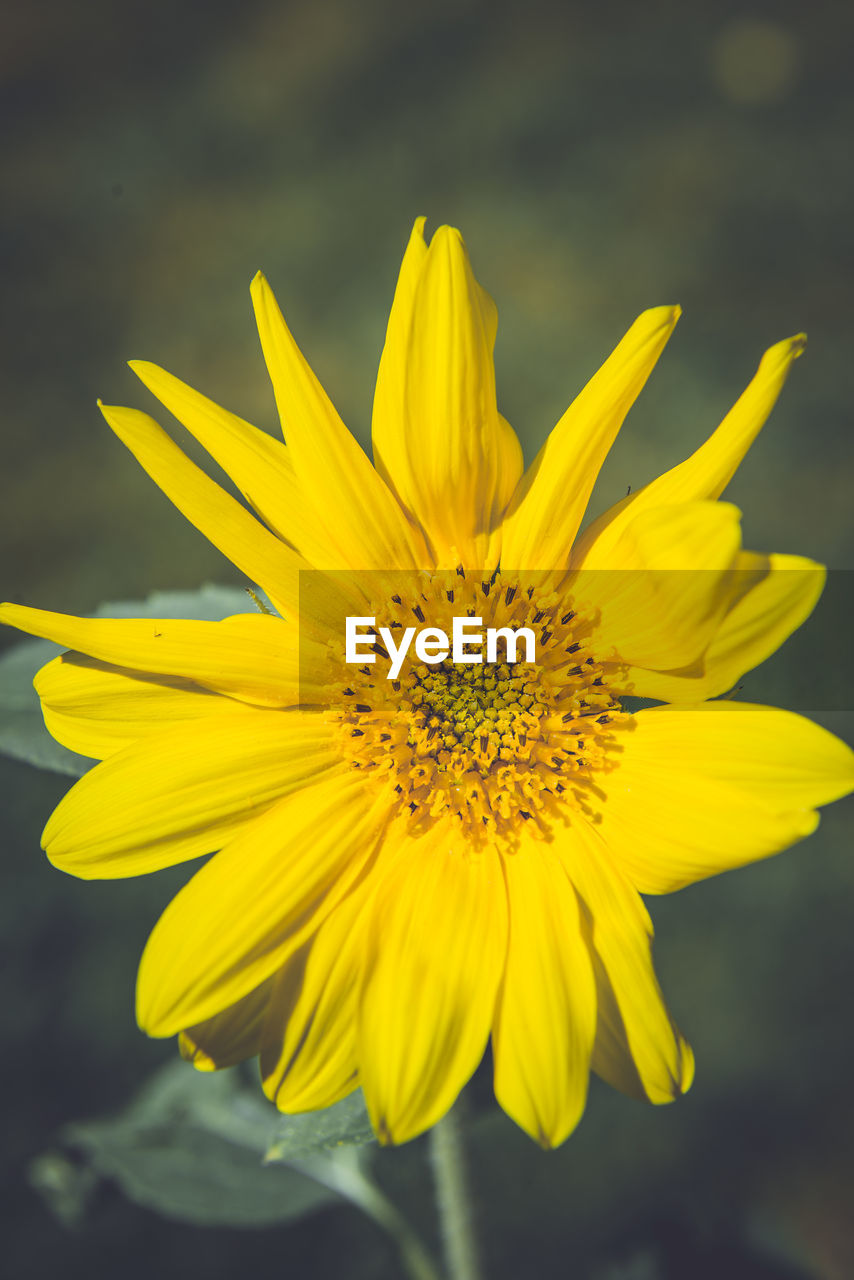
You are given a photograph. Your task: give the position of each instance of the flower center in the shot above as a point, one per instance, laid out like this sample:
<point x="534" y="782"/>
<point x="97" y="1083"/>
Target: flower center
<point x="492" y="744"/>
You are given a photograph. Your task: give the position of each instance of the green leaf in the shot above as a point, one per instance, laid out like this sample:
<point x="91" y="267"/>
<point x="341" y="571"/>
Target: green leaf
<point x="208" y="1149"/>
<point x="22" y="731"/>
<point x="345" y="1124"/>
<point x="191" y="1147"/>
<point x="196" y="1147"/>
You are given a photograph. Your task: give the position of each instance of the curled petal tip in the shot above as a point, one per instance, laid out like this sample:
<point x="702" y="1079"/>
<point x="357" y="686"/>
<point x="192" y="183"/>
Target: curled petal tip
<point x="665" y="316"/>
<point x="781" y="356"/>
<point x="8" y="612"/>
<point x="447" y="236"/>
<point x="258" y="283"/>
<point x="115" y="413"/>
<point x="384" y="1135"/>
<point x="109" y="411"/>
<point x="655" y="322"/>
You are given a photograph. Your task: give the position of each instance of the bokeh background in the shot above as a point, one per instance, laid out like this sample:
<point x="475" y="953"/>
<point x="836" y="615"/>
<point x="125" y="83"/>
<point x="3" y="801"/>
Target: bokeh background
<point x="599" y="159"/>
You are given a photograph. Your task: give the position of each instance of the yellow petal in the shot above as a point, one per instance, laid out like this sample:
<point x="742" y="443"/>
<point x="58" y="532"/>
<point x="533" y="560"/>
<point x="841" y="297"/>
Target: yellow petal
<point x="777" y="602"/>
<point x="258" y="464"/>
<point x="259" y="554"/>
<point x="229" y="1037"/>
<point x="435" y="950"/>
<point x="184" y="792"/>
<point x="254" y="657"/>
<point x="362" y="520"/>
<point x="547" y="508"/>
<point x="308" y="1058"/>
<point x="546" y="1019"/>
<point x="638" y="1046"/>
<point x="702" y="789"/>
<point x="387" y="434"/>
<point x="251" y="906"/>
<point x="97" y="710"/>
<point x="450" y="457"/>
<point x="672" y="578"/>
<point x="707" y="472"/>
<point x="613" y="1053"/>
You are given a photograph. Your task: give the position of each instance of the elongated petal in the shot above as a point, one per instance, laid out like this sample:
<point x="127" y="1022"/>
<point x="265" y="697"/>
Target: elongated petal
<point x="673" y="577"/>
<point x="97" y="710"/>
<point x="638" y="1046"/>
<point x="254" y="657"/>
<point x="250" y="907"/>
<point x="451" y="459"/>
<point x="308" y="1059"/>
<point x="707" y="472"/>
<point x="782" y="597"/>
<point x="547" y="508"/>
<point x="257" y="552"/>
<point x="349" y="498"/>
<point x="229" y="1037"/>
<point x="546" y="1019"/>
<point x="436" y="947"/>
<point x="258" y="464"/>
<point x="702" y="789"/>
<point x="387" y="435"/>
<point x="184" y="792"/>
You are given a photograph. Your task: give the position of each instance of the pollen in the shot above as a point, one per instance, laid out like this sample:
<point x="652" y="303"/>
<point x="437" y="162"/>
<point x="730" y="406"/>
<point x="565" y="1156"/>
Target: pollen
<point x="494" y="745"/>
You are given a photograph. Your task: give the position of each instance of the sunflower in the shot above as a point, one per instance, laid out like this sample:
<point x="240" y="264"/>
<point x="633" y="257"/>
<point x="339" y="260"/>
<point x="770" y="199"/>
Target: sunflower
<point x="410" y="862"/>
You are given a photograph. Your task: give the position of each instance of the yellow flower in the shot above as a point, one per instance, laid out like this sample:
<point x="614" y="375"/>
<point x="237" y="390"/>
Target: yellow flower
<point x="407" y="865"/>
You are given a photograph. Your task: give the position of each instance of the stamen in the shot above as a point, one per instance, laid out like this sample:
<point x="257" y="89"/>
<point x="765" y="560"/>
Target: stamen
<point x="493" y="747"/>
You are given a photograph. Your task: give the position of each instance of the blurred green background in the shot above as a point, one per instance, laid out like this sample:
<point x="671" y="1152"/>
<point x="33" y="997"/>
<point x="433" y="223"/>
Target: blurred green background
<point x="598" y="159"/>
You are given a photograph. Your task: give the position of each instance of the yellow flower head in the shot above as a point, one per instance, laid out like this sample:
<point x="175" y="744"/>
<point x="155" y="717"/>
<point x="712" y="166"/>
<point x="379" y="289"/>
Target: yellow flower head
<point x="432" y="815"/>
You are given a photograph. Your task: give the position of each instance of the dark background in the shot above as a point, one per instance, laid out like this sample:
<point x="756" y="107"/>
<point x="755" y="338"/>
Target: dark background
<point x="599" y="159"/>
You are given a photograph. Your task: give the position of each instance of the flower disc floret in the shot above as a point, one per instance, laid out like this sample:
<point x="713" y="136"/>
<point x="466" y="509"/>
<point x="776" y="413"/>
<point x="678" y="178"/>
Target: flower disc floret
<point x="488" y="744"/>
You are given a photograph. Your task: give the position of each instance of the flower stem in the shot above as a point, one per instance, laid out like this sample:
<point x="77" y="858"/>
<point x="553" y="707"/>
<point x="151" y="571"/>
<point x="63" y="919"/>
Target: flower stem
<point x="453" y="1199"/>
<point x="341" y="1171"/>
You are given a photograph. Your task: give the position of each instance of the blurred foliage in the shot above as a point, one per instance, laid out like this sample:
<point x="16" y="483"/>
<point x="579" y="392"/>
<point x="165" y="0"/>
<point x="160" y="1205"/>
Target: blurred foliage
<point x="191" y="1147"/>
<point x="599" y="159"/>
